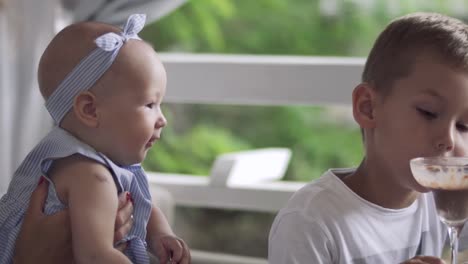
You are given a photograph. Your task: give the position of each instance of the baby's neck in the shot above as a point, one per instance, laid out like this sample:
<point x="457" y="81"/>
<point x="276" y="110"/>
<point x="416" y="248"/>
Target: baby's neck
<point x="82" y="133"/>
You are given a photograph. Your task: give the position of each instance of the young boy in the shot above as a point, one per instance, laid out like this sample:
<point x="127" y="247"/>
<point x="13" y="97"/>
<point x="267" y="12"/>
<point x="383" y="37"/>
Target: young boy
<point x="103" y="87"/>
<point x="412" y="102"/>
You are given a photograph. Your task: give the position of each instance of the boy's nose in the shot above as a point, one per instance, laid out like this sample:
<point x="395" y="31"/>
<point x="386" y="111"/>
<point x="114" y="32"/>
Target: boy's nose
<point x="444" y="148"/>
<point x="446" y="142"/>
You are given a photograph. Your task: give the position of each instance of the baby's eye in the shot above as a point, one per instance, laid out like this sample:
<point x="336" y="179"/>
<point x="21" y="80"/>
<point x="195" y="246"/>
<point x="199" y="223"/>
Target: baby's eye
<point x="462" y="127"/>
<point x="427" y="114"/>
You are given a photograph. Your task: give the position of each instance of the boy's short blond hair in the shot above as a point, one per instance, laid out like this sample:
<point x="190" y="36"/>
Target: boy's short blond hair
<point x="405" y="38"/>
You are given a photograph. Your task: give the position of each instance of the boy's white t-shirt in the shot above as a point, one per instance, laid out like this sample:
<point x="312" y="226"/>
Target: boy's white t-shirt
<point x="326" y="222"/>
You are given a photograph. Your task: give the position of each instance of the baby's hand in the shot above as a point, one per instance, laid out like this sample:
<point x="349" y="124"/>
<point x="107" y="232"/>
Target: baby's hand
<point x="171" y="249"/>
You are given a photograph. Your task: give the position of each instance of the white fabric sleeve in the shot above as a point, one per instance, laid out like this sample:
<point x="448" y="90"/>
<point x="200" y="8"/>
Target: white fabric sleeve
<point x="297" y="240"/>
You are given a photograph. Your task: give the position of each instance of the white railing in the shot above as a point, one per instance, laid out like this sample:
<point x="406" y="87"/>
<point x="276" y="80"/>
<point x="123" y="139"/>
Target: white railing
<point x="250" y="80"/>
<point x="268" y="80"/>
<point x="245" y="181"/>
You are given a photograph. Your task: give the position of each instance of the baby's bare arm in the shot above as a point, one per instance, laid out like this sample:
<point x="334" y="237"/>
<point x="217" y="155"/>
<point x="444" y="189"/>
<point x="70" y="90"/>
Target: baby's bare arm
<point x="158" y="224"/>
<point x="90" y="192"/>
<point x="162" y="240"/>
<point x="48" y="237"/>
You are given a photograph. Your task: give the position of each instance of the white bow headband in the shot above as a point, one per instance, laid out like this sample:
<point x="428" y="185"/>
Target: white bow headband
<point x="92" y="67"/>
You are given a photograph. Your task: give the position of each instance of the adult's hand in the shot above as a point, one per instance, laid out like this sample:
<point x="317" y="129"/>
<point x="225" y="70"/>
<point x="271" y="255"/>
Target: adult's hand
<point x="48" y="237"/>
<point x="124" y="219"/>
<point x="42" y="237"/>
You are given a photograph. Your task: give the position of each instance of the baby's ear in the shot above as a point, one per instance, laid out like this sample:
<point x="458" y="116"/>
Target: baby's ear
<point x="84" y="107"/>
<point x="364" y="99"/>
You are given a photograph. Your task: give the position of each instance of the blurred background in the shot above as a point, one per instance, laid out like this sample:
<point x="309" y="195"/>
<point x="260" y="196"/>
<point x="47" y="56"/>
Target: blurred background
<point x="243" y="75"/>
<point x="320" y="137"/>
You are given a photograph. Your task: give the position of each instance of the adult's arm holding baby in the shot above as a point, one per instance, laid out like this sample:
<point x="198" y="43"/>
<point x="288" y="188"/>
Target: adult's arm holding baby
<point x="43" y="237"/>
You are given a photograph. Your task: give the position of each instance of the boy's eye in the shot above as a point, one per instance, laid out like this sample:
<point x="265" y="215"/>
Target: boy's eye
<point x="151" y="105"/>
<point x="462" y="127"/>
<point x="427" y="114"/>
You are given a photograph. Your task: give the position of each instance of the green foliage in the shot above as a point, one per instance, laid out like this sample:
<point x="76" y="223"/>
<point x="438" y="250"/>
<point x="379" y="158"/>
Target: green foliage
<point x="316" y="140"/>
<point x="196" y="134"/>
<point x="194" y="25"/>
<point x="192" y="152"/>
<point x="296" y="27"/>
<point x="265" y="27"/>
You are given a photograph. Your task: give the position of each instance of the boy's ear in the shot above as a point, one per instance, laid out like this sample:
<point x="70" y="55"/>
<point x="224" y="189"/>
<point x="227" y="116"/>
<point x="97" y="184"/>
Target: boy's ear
<point x="85" y="109"/>
<point x="364" y="101"/>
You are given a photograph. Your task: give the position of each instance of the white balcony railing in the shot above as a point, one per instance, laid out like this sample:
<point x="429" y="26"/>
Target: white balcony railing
<point x="250" y="80"/>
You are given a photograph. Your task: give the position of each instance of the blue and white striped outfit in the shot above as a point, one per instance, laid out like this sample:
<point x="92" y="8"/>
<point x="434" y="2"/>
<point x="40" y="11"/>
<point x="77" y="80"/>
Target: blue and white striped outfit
<point x="59" y="144"/>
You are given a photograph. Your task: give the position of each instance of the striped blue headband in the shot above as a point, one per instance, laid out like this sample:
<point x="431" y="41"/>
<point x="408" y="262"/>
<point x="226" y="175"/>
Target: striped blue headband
<point x="92" y="67"/>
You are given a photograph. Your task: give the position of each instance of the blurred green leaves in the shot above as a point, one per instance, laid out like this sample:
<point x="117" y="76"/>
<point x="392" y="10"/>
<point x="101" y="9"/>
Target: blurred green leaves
<point x="192" y="152"/>
<point x="318" y="141"/>
<point x="196" y="134"/>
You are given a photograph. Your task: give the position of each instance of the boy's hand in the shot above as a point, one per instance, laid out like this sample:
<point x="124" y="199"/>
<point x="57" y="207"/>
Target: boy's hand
<point x="171" y="249"/>
<point x="424" y="260"/>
